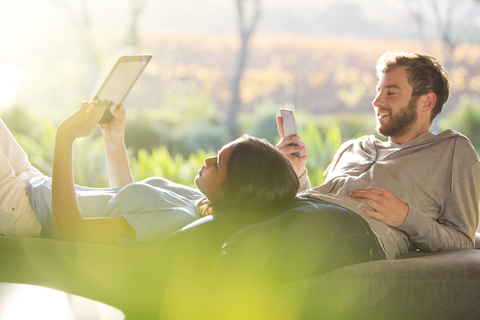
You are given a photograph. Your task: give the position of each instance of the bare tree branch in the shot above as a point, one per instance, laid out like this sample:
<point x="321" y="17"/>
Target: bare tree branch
<point x="415" y="7"/>
<point x="83" y="26"/>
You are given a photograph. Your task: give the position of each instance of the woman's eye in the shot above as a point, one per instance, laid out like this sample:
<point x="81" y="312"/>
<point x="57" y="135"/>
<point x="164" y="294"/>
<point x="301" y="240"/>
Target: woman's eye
<point x="215" y="165"/>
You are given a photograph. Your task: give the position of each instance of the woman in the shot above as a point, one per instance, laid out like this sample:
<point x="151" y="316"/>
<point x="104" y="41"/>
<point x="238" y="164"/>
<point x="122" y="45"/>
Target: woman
<point x="241" y="176"/>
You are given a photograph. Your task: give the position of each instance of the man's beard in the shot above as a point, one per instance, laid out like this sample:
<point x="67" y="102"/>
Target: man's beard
<point x="401" y="122"/>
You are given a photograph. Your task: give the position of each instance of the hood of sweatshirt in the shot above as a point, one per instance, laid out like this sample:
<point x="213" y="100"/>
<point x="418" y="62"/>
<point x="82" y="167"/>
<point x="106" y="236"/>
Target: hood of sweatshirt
<point x="367" y="145"/>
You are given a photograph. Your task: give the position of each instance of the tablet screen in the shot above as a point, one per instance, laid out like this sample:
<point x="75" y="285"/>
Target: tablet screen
<point x="121" y="79"/>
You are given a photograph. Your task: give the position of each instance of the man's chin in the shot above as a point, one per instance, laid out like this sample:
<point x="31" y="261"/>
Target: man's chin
<point x="381" y="131"/>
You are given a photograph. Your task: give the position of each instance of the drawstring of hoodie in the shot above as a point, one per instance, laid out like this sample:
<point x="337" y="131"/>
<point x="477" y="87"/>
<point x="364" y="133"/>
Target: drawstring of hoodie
<point x="453" y="160"/>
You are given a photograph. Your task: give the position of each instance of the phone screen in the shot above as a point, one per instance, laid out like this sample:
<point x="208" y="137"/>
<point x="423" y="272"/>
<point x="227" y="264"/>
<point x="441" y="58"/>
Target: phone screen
<point x="289" y="127"/>
<point x="288" y="121"/>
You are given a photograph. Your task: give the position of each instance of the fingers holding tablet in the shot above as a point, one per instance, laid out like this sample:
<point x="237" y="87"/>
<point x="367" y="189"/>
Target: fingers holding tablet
<point x="120" y="81"/>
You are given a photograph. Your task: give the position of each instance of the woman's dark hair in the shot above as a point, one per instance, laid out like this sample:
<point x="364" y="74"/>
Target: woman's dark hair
<point x="259" y="178"/>
<point x="425" y="74"/>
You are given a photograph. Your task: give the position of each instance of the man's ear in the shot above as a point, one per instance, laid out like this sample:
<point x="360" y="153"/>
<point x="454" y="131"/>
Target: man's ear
<point x="429" y="101"/>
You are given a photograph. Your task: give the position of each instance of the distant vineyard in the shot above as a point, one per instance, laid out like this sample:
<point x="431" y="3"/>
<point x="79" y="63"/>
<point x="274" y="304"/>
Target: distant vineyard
<point x="320" y="75"/>
<point x="317" y="74"/>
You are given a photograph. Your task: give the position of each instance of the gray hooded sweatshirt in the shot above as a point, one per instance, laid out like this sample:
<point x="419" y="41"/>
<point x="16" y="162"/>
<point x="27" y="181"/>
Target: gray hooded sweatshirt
<point x="437" y="175"/>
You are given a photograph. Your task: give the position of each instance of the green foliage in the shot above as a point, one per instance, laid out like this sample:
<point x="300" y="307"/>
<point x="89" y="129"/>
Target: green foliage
<point x="187" y="105"/>
<point x="321" y="150"/>
<point x="89" y="167"/>
<point x="39" y="150"/>
<point x="161" y="164"/>
<point x="261" y="122"/>
<point x="177" y="154"/>
<point x="90" y="163"/>
<point x="18" y="120"/>
<point x="351" y="126"/>
<point x="466" y="119"/>
<point x="185" y="122"/>
<point x="191" y="137"/>
<point x="143" y="133"/>
<point x="88" y="154"/>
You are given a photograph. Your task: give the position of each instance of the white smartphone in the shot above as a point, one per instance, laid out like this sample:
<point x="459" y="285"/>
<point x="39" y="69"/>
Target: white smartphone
<point x="289" y="127"/>
<point x="119" y="81"/>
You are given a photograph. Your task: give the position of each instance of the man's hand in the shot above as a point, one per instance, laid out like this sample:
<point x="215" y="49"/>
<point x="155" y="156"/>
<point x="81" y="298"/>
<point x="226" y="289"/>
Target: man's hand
<point x="388" y="208"/>
<point x="285" y="147"/>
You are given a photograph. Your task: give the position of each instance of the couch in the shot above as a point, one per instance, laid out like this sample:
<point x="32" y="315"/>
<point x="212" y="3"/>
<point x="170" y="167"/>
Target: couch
<point x="417" y="285"/>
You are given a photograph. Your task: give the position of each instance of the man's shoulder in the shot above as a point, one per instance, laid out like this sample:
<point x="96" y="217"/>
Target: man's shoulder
<point x="462" y="146"/>
<point x="368" y="140"/>
<point x="460" y="139"/>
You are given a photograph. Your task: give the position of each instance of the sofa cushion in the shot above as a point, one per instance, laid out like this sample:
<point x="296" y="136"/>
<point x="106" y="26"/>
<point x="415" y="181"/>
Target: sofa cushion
<point x="300" y="243"/>
<point x="440" y="286"/>
<point x="121" y="276"/>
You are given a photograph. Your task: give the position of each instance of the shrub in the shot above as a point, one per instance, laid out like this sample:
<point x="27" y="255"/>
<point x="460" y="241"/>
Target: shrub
<point x="465" y="118"/>
<point x="191" y="137"/>
<point x="161" y="164"/>
<point x="261" y="122"/>
<point x="321" y="150"/>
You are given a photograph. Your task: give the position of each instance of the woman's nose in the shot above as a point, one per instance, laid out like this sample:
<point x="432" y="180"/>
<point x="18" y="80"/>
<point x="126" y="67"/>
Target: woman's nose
<point x="208" y="161"/>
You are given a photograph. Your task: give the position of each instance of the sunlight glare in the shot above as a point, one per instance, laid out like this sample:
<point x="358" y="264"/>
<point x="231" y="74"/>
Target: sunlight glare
<point x="10" y="79"/>
<point x="42" y="303"/>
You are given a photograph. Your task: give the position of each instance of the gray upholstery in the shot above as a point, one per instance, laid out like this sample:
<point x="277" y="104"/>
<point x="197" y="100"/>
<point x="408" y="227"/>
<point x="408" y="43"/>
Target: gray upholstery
<point x="417" y="286"/>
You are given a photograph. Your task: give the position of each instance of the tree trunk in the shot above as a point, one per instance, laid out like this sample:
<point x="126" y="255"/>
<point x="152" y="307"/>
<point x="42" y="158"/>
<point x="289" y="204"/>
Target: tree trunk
<point x="246" y="30"/>
<point x="83" y="29"/>
<point x="136" y="8"/>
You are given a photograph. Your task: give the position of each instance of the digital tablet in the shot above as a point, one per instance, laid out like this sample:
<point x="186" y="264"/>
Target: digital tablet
<point x="119" y="81"/>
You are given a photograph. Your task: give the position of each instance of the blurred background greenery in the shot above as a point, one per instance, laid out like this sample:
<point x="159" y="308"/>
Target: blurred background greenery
<point x="159" y="148"/>
<point x="221" y="69"/>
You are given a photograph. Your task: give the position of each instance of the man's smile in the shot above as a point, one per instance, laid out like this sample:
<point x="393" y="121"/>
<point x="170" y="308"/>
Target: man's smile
<point x="381" y="115"/>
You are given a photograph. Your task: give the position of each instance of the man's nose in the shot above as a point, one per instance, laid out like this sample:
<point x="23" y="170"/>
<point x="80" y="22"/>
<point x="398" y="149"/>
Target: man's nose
<point x="378" y="101"/>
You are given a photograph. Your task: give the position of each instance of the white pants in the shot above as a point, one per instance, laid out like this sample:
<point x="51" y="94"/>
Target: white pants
<point x="16" y="215"/>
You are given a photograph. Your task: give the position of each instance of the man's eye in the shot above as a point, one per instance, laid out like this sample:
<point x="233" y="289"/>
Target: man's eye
<point x="391" y="93"/>
<point x="215" y="165"/>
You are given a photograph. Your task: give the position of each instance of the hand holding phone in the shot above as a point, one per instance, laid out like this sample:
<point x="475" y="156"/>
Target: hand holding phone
<point x="289" y="127"/>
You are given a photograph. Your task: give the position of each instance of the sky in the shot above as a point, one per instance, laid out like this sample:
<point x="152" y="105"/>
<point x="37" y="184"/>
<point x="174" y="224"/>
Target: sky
<point x="300" y="16"/>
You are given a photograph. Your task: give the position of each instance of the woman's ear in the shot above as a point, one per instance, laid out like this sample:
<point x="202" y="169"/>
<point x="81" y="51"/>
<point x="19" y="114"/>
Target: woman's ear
<point x="429" y="101"/>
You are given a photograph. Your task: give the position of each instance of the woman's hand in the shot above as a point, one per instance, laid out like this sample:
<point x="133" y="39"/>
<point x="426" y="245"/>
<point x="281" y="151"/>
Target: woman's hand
<point x="286" y="148"/>
<point x="82" y="122"/>
<point x="115" y="130"/>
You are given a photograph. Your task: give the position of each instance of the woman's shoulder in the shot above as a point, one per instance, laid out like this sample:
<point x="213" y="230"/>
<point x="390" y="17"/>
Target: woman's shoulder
<point x="180" y="189"/>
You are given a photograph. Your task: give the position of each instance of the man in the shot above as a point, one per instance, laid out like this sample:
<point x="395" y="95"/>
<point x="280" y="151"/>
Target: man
<point x="418" y="189"/>
<point x="379" y="199"/>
